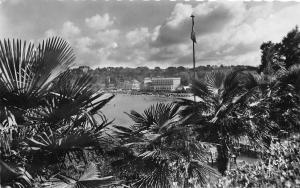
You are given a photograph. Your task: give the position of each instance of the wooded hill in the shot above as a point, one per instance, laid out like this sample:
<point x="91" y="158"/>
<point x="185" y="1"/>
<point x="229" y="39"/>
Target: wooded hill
<point x="117" y="75"/>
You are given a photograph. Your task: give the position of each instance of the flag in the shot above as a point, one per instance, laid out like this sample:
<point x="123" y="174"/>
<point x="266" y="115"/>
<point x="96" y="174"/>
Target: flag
<point x="193" y="36"/>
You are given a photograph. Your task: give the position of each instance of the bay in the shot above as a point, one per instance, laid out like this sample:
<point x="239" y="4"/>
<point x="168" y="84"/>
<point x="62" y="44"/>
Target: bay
<point x="121" y="104"/>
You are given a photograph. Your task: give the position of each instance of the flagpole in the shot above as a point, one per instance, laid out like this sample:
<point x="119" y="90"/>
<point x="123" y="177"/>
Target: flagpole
<point x="193" y="40"/>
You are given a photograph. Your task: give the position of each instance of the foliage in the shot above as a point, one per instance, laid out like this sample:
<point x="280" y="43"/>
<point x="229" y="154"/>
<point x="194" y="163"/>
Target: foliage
<point x="17" y="177"/>
<point x="45" y="115"/>
<point x="284" y="98"/>
<point x="229" y="108"/>
<point x="161" y="150"/>
<point x="278" y="168"/>
<point x="283" y="54"/>
<point x="91" y="178"/>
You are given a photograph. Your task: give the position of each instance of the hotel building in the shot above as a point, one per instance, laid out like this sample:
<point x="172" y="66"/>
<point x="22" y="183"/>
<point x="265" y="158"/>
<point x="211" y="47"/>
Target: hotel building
<point x="162" y="84"/>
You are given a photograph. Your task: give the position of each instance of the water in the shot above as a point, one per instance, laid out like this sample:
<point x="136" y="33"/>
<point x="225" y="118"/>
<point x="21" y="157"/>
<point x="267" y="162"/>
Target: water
<point x="122" y="103"/>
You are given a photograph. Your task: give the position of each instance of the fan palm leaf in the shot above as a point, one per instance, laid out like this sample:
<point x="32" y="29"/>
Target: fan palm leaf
<point x="160" y="142"/>
<point x="16" y="177"/>
<point x="52" y="142"/>
<point x="70" y="100"/>
<point x="8" y="126"/>
<point x="291" y="77"/>
<point x="200" y="172"/>
<point x="26" y="71"/>
<point x="229" y="110"/>
<point x="55" y="112"/>
<point x="91" y="178"/>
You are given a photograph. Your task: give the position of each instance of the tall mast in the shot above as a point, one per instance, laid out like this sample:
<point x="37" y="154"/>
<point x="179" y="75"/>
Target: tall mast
<point x="193" y="38"/>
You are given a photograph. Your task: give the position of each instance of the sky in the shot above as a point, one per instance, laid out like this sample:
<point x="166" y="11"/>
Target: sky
<point x="152" y="33"/>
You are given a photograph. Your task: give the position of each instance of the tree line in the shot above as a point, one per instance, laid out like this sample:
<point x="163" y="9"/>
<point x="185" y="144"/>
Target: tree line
<point x="117" y="75"/>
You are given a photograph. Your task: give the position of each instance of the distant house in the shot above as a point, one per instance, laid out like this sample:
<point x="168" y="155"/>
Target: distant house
<point x="132" y="85"/>
<point x="146" y="84"/>
<point x="136" y="85"/>
<point x="126" y="85"/>
<point x="110" y="86"/>
<point x="162" y="84"/>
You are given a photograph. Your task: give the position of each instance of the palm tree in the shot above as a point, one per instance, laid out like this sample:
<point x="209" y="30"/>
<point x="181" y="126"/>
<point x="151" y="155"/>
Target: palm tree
<point x="228" y="109"/>
<point x="45" y="112"/>
<point x="27" y="73"/>
<point x="159" y="150"/>
<point x="285" y="98"/>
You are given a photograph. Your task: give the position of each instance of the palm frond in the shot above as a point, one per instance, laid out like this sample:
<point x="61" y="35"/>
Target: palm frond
<point x="214" y="81"/>
<point x="91" y="178"/>
<point x="155" y="116"/>
<point x="16" y="177"/>
<point x="26" y="72"/>
<point x="50" y="142"/>
<point x="17" y="59"/>
<point x="292" y="77"/>
<point x="201" y="90"/>
<point x="159" y="178"/>
<point x="70" y="100"/>
<point x="8" y="126"/>
<point x="53" y="57"/>
<point x="200" y="172"/>
<point x="237" y="83"/>
<point x="160" y="143"/>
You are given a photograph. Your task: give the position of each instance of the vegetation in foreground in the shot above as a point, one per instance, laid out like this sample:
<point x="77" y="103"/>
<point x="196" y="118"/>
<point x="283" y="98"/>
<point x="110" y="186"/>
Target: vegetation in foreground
<point x="53" y="133"/>
<point x="278" y="168"/>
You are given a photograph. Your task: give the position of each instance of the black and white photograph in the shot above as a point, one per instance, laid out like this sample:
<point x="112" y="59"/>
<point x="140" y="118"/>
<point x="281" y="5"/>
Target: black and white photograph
<point x="149" y="94"/>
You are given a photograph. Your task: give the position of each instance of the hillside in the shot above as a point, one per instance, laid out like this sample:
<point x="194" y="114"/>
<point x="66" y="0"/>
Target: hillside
<point x="115" y="75"/>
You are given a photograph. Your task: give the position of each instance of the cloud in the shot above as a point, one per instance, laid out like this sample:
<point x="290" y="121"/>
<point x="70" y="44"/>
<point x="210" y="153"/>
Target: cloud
<point x="50" y="33"/>
<point x="227" y="33"/>
<point x="138" y="36"/>
<point x="210" y="17"/>
<point x="84" y="44"/>
<point x="13" y="2"/>
<point x="98" y="22"/>
<point x="229" y="36"/>
<point x="94" y="50"/>
<point x="91" y="48"/>
<point x="3" y="23"/>
<point x="69" y="29"/>
<point x="169" y="52"/>
<point x="107" y="37"/>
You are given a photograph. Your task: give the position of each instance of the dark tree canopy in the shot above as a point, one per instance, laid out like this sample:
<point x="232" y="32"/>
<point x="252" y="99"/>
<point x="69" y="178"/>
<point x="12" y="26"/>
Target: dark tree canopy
<point x="285" y="53"/>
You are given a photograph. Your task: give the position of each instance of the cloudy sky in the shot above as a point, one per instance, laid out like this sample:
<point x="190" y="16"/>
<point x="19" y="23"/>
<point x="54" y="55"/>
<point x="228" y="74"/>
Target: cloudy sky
<point x="151" y="33"/>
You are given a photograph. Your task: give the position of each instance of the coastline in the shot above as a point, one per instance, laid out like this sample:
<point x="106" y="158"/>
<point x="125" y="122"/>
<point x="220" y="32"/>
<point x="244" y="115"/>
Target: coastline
<point x="155" y="94"/>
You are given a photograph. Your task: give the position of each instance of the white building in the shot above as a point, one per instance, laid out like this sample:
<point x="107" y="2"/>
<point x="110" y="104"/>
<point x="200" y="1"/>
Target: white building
<point x="162" y="84"/>
<point x="136" y="85"/>
<point x="146" y="84"/>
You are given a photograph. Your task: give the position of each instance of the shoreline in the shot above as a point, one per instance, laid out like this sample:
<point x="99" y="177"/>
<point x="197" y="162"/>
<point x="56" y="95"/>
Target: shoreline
<point x="155" y="94"/>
